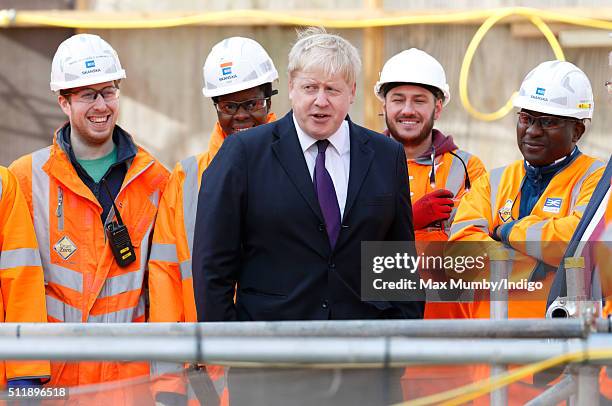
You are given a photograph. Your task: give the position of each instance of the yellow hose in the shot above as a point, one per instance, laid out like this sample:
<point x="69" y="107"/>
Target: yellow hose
<point x="473" y="46"/>
<point x="537" y="17"/>
<point x="475" y="390"/>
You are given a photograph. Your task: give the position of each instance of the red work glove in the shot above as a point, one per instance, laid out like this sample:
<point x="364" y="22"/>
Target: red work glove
<point x="433" y="207"/>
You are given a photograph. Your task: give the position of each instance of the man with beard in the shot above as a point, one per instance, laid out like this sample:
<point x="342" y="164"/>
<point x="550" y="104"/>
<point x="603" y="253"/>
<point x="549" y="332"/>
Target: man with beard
<point x="413" y="90"/>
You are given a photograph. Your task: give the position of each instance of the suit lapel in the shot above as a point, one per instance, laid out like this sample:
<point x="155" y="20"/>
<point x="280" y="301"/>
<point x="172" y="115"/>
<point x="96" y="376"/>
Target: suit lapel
<point x="289" y="153"/>
<point x="361" y="159"/>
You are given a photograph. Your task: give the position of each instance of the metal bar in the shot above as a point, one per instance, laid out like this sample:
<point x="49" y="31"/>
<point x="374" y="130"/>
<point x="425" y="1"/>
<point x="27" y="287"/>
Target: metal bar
<point x="500" y="266"/>
<point x="556" y="393"/>
<point x="588" y="386"/>
<point x="467" y="328"/>
<point x="313" y="351"/>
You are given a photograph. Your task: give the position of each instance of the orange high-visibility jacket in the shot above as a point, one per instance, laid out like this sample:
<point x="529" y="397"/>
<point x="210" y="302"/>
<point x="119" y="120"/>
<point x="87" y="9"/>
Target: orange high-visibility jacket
<point x="450" y="175"/>
<point x="22" y="288"/>
<point x="84" y="284"/>
<point x="170" y="280"/>
<point x="495" y="200"/>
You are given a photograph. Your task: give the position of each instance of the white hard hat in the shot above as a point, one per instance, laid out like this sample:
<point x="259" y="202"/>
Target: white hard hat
<point x="236" y="64"/>
<point x="84" y="59"/>
<point x="413" y="66"/>
<point x="556" y="87"/>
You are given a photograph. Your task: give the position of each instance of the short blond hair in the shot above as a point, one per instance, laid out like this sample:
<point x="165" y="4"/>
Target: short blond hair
<point x="317" y="49"/>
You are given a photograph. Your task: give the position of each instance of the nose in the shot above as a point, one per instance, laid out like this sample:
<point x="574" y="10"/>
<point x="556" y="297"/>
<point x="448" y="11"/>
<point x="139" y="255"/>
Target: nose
<point x="241" y="114"/>
<point x="99" y="103"/>
<point x="321" y="99"/>
<point x="408" y="108"/>
<point x="534" y="129"/>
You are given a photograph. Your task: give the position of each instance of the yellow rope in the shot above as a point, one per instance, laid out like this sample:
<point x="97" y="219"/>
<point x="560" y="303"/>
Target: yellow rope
<point x="472" y="391"/>
<point x="535" y="16"/>
<point x="50" y="19"/>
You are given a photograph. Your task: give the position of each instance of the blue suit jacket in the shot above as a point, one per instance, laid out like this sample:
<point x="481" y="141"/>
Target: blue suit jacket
<point x="259" y="226"/>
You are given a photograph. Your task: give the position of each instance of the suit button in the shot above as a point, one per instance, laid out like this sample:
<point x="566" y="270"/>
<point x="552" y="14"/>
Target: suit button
<point x="332" y="266"/>
<point x="321" y="227"/>
<point x="325" y="305"/>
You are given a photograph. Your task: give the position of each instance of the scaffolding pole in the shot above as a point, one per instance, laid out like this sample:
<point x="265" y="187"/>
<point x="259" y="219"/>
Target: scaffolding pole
<point x="457" y="328"/>
<point x="307" y="351"/>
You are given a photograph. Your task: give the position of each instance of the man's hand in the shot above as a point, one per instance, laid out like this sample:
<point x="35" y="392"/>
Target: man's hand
<point x="433" y="207"/>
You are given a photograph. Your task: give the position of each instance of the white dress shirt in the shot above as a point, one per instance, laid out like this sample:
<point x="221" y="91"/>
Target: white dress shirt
<point x="337" y="158"/>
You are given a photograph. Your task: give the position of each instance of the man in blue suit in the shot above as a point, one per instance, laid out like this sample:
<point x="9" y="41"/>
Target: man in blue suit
<point x="282" y="212"/>
<point x="283" y="207"/>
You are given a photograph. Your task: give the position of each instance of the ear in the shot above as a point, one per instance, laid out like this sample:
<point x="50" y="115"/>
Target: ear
<point x="64" y="104"/>
<point x="579" y="129"/>
<point x="437" y="109"/>
<point x="353" y="92"/>
<point x="290" y="84"/>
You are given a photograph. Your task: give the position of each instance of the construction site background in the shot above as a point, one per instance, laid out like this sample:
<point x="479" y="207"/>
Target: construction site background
<point x="163" y="107"/>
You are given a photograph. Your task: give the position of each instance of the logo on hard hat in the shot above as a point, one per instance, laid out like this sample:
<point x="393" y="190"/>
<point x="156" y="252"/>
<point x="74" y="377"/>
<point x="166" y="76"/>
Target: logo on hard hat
<point x="90" y="64"/>
<point x="539" y="94"/>
<point x="226" y="68"/>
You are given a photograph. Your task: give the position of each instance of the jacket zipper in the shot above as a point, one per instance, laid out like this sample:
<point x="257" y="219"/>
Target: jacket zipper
<point x="59" y="212"/>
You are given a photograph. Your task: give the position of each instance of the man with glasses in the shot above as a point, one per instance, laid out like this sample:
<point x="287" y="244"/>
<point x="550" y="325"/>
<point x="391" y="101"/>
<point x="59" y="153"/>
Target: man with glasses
<point x="238" y="76"/>
<point x="93" y="256"/>
<point x="534" y="205"/>
<point x="541" y="198"/>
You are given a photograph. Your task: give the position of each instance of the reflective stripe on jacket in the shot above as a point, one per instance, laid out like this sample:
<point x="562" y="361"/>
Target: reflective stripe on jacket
<point x="170" y="280"/>
<point x="84" y="284"/>
<point x="22" y="289"/>
<point x="495" y="199"/>
<point x="450" y="175"/>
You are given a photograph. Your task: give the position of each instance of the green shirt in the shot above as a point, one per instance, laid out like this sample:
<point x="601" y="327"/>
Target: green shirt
<point x="96" y="168"/>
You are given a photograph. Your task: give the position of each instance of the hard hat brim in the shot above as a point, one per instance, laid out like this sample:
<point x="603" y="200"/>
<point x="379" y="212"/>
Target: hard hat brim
<point x="93" y="80"/>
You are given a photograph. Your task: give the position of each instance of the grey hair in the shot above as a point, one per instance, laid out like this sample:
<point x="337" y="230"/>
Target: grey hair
<point x="316" y="49"/>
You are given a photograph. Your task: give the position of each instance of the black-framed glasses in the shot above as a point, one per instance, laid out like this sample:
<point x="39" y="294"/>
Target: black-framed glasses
<point x="250" y="106"/>
<point x="608" y="85"/>
<point x="89" y="95"/>
<point x="546" y="122"/>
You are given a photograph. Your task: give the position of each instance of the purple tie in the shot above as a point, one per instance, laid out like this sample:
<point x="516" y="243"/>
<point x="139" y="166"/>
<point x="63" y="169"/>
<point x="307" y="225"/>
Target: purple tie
<point x="326" y="194"/>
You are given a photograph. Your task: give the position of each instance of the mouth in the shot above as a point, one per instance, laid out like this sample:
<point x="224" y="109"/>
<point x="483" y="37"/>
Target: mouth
<point x="408" y="123"/>
<point x="320" y="117"/>
<point x="99" y="120"/>
<point x="238" y="129"/>
<point x="533" y="148"/>
<point x="533" y="144"/>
